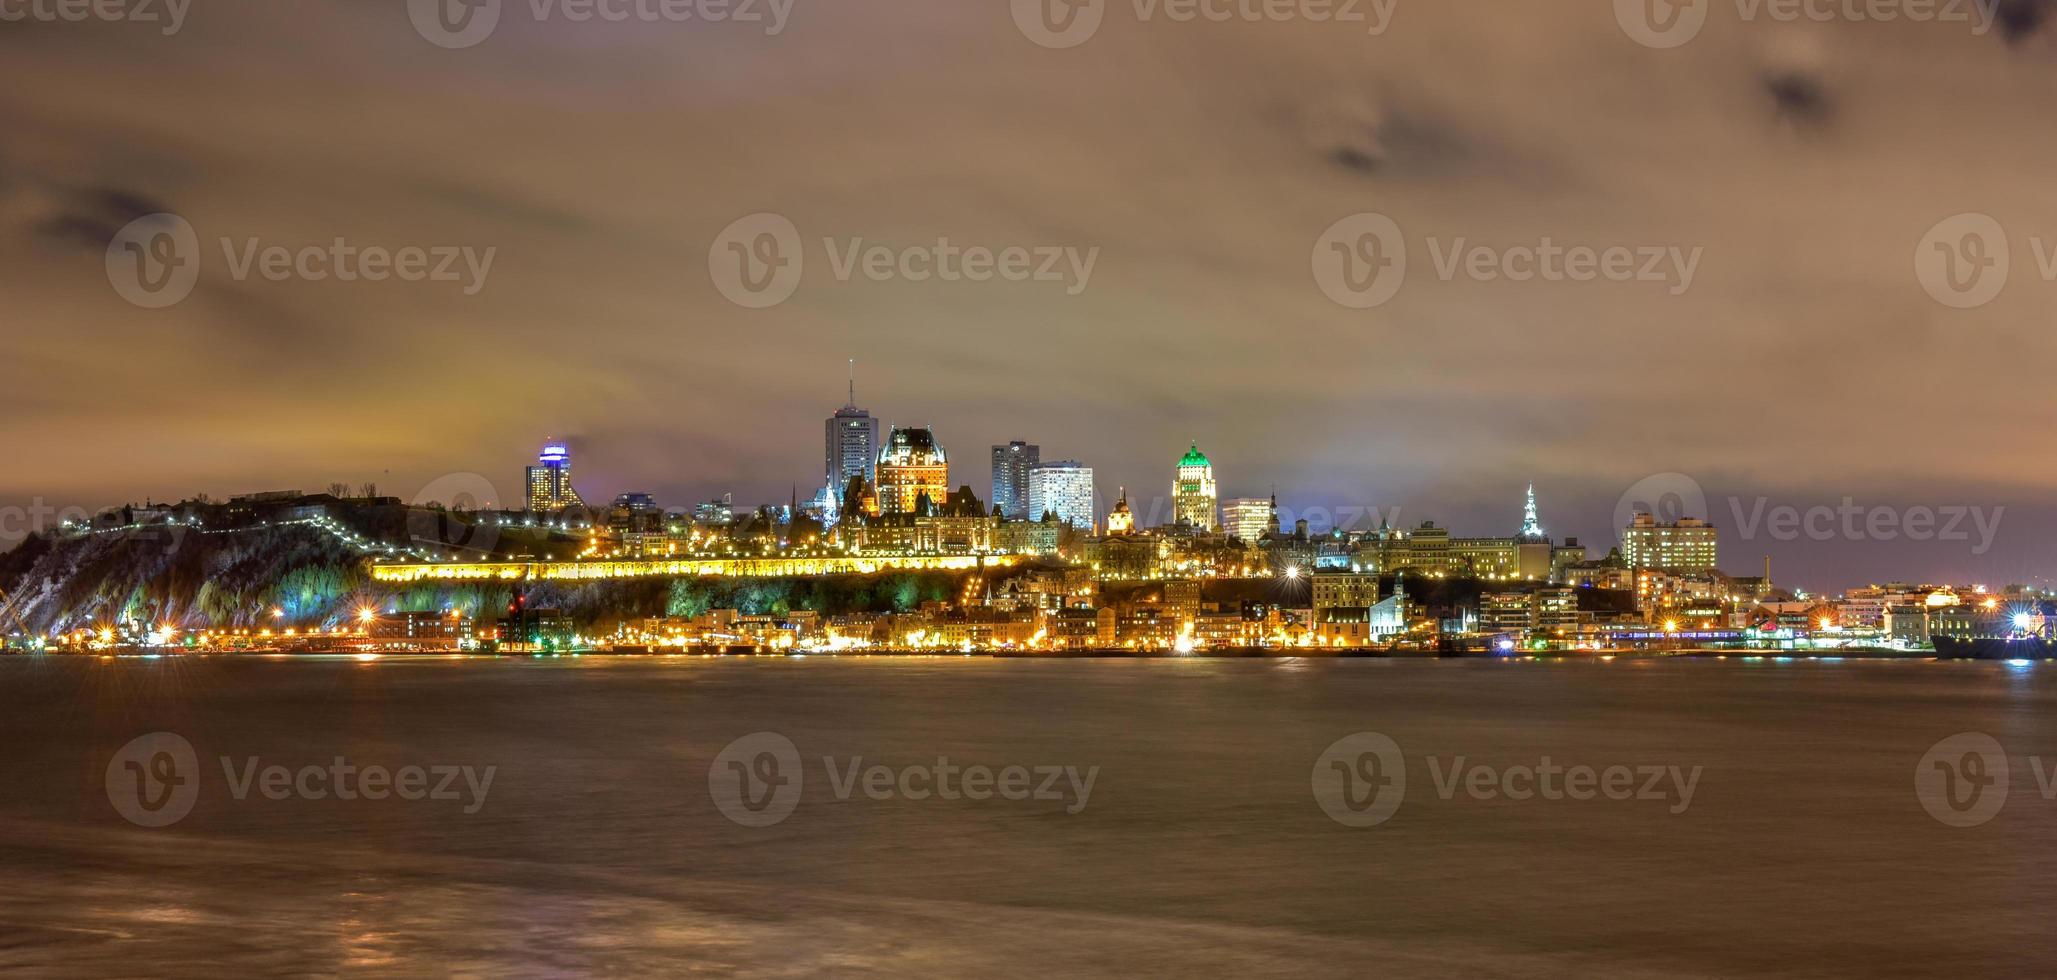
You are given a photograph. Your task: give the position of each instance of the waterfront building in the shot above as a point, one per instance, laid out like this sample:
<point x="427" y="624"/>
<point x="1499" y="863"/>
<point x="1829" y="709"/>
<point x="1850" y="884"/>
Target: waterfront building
<point x="1193" y="492"/>
<point x="911" y="466"/>
<point x="1011" y="466"/>
<point x="851" y="441"/>
<point x="1249" y="519"/>
<point x="1063" y="488"/>
<point x="1344" y="589"/>
<point x="1685" y="545"/>
<point x="1505" y="612"/>
<point x="549" y="481"/>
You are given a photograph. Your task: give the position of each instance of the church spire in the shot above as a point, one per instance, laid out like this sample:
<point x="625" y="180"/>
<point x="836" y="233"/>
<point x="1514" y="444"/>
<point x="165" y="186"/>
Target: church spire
<point x="1531" y="525"/>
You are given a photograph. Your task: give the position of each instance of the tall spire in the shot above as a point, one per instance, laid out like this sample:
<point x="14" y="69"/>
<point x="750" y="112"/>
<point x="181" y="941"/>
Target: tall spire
<point x="1531" y="526"/>
<point x="853" y="382"/>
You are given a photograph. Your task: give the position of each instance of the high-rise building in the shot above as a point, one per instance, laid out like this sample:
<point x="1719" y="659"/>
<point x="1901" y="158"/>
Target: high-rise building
<point x="549" y="481"/>
<point x="912" y="465"/>
<point x="1249" y="518"/>
<point x="1686" y="546"/>
<point x="1064" y="488"/>
<point x="1193" y="493"/>
<point x="852" y="441"/>
<point x="1011" y="465"/>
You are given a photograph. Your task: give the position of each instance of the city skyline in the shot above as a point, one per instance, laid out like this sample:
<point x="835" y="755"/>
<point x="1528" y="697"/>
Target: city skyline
<point x="1199" y="321"/>
<point x="1796" y="557"/>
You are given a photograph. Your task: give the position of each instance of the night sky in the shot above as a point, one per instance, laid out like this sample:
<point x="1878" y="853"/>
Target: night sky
<point x="1804" y="364"/>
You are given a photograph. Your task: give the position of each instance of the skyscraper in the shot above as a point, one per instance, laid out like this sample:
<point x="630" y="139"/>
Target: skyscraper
<point x="1064" y="488"/>
<point x="852" y="442"/>
<point x="910" y="466"/>
<point x="1011" y="466"/>
<point x="1248" y="518"/>
<point x="1193" y="492"/>
<point x="549" y="481"/>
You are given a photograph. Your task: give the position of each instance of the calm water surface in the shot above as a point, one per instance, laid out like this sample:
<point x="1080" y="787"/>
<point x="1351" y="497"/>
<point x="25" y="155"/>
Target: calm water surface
<point x="1200" y="852"/>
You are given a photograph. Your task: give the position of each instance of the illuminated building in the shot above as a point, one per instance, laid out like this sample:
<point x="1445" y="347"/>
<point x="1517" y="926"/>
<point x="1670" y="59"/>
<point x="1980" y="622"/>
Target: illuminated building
<point x="1011" y="466"/>
<point x="635" y="512"/>
<point x="1193" y="493"/>
<point x="1532" y="545"/>
<point x="911" y="466"/>
<point x="1249" y="518"/>
<point x="716" y="512"/>
<point x="852" y="441"/>
<point x="1687" y="545"/>
<point x="1063" y="488"/>
<point x="1348" y="612"/>
<point x="1121" y="520"/>
<point x="549" y="481"/>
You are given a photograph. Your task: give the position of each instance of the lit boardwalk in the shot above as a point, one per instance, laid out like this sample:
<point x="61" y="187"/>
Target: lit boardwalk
<point x="682" y="567"/>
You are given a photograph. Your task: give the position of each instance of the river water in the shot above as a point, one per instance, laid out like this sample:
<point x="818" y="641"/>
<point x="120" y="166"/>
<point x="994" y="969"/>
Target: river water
<point x="1093" y="818"/>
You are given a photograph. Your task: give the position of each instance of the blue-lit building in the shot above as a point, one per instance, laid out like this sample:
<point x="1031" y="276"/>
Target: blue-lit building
<point x="549" y="481"/>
